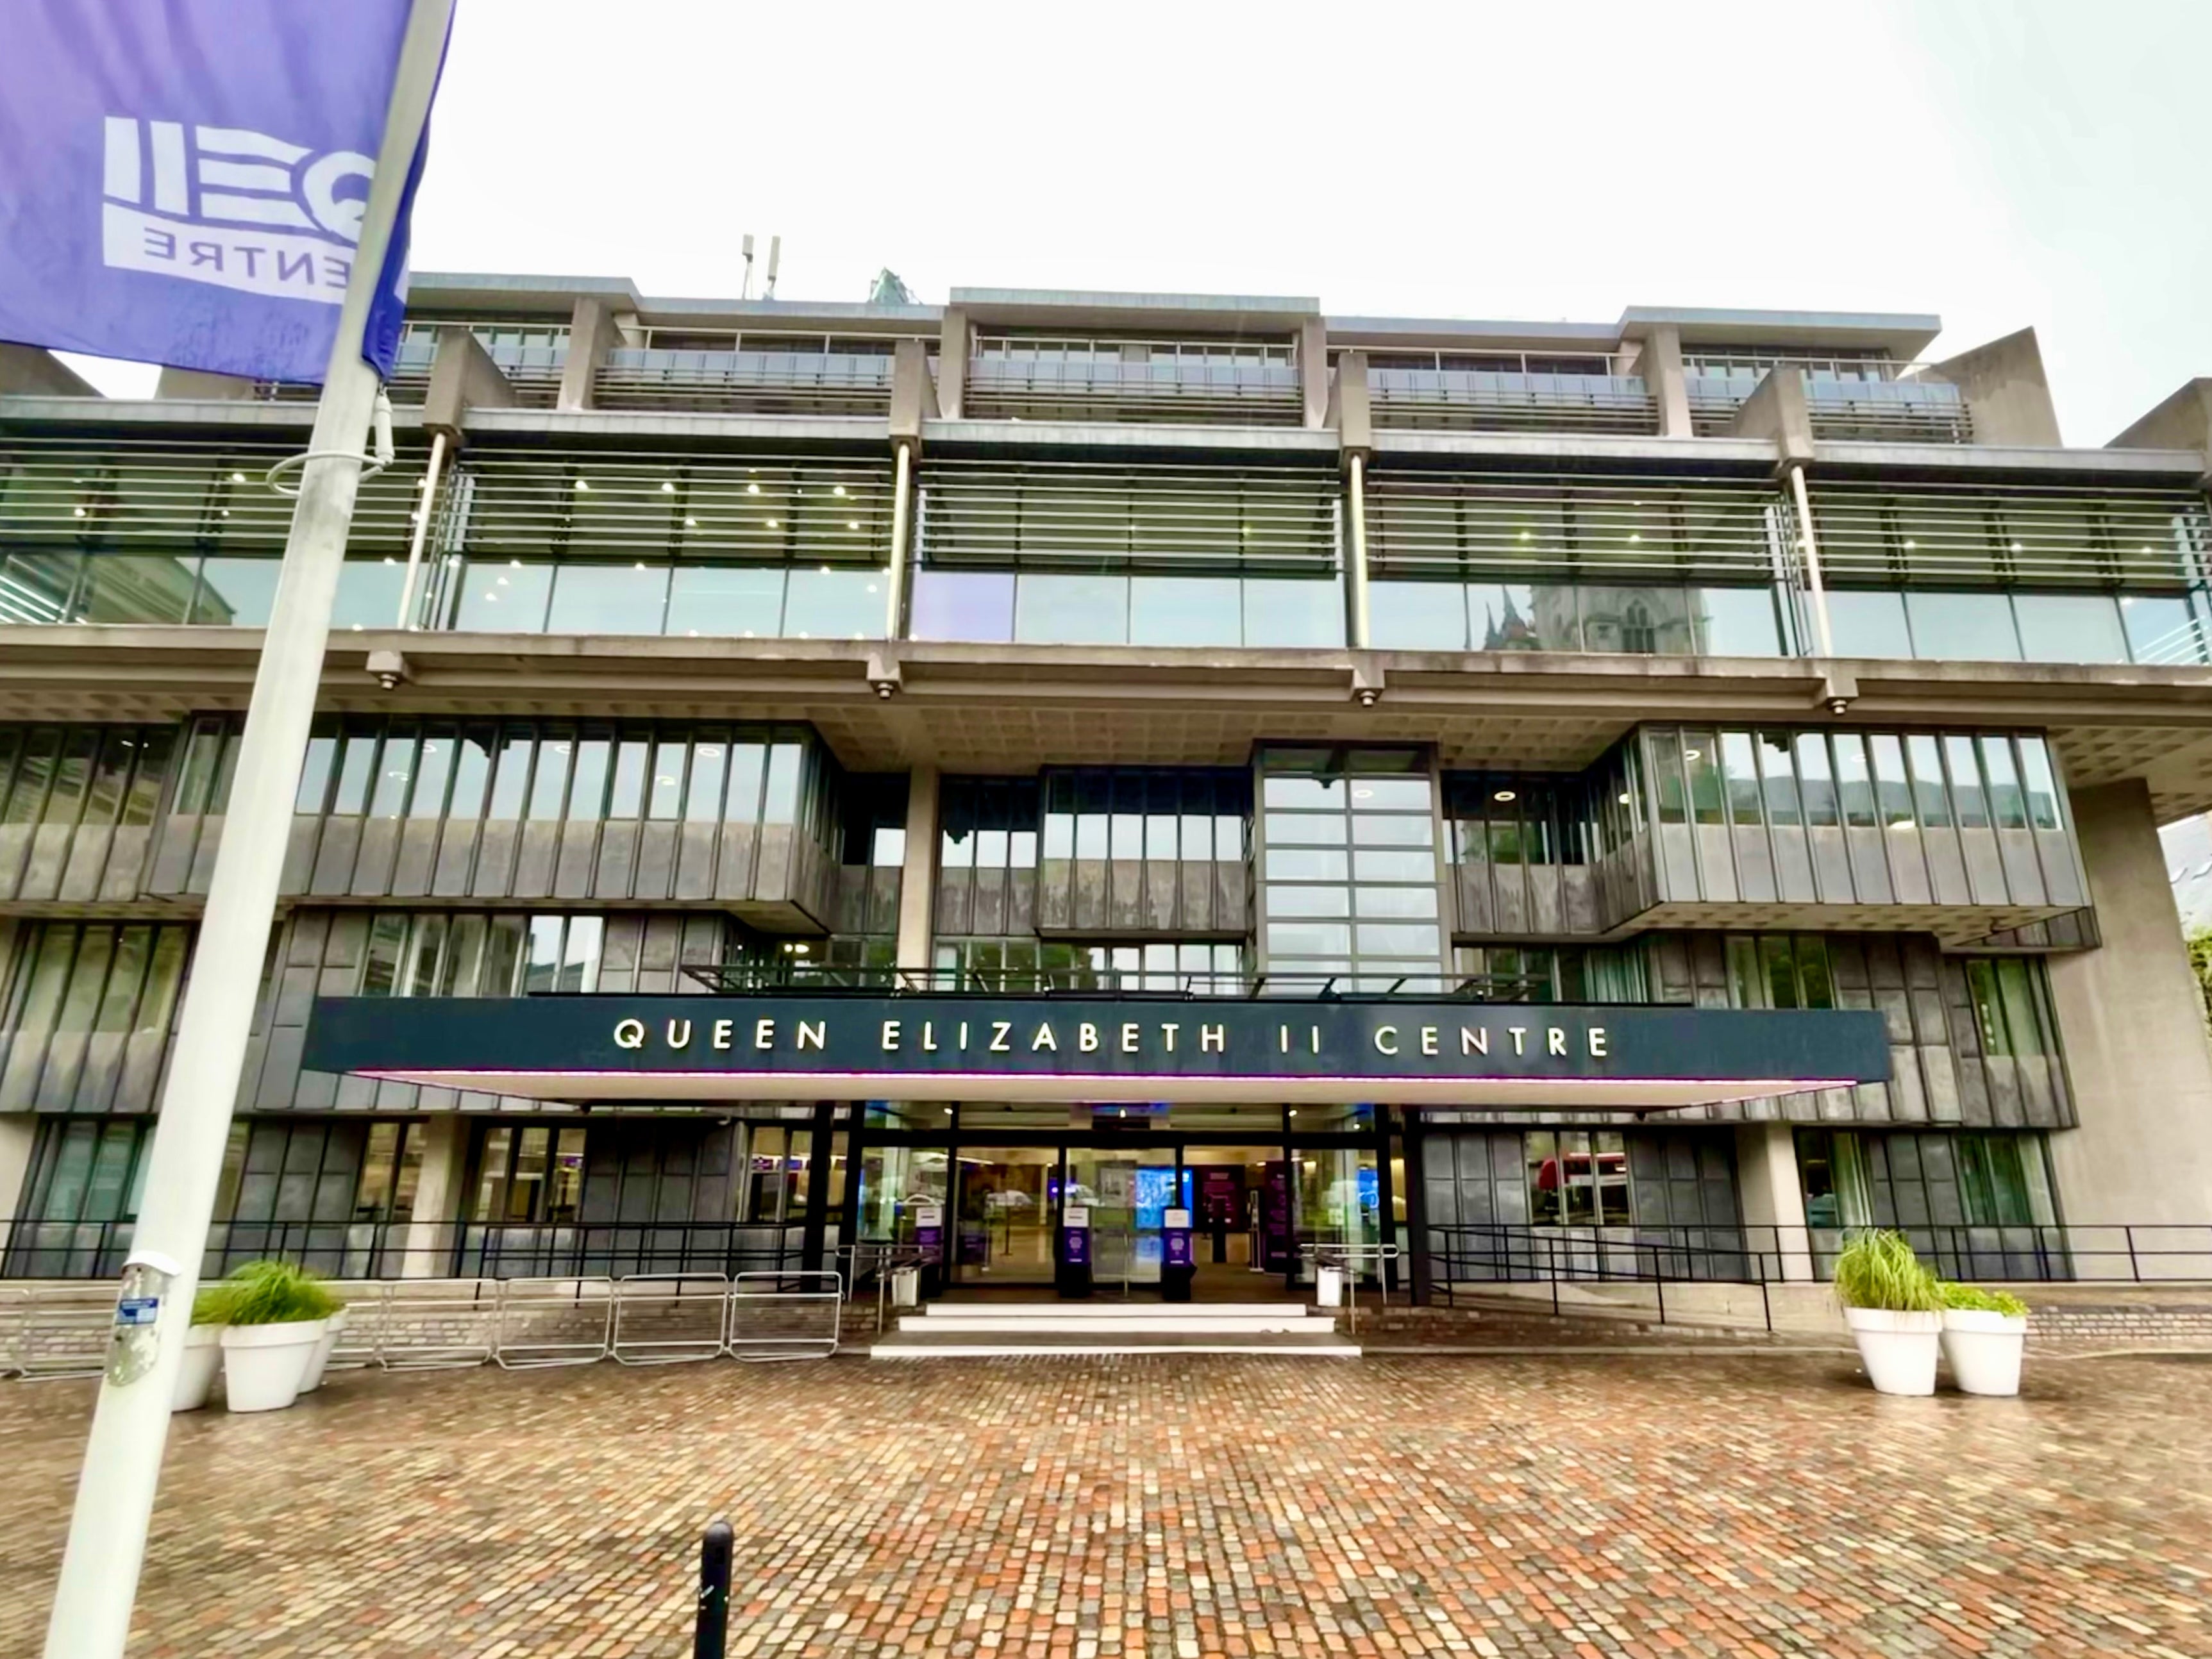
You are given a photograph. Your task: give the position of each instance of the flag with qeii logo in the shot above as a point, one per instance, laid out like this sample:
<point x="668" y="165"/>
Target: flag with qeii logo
<point x="183" y="181"/>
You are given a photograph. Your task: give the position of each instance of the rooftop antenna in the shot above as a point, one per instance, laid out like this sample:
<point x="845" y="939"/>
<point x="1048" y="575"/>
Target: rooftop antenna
<point x="774" y="258"/>
<point x="746" y="292"/>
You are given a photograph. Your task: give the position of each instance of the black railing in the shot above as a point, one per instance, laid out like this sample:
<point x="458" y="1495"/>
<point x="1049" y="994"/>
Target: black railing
<point x="42" y="1250"/>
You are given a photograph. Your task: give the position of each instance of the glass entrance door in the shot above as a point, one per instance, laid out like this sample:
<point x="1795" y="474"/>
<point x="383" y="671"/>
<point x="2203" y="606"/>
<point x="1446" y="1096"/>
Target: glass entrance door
<point x="1129" y="1191"/>
<point x="1005" y="1215"/>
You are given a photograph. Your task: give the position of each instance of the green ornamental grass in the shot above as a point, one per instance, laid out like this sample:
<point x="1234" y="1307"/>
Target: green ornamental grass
<point x="265" y="1293"/>
<point x="1878" y="1269"/>
<point x="1972" y="1298"/>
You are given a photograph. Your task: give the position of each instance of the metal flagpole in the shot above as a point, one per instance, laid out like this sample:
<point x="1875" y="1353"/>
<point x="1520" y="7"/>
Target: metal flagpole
<point x="91" y="1617"/>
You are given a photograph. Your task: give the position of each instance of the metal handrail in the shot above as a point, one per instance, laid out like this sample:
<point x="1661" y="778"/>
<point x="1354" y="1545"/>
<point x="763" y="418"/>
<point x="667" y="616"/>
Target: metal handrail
<point x="1348" y="1258"/>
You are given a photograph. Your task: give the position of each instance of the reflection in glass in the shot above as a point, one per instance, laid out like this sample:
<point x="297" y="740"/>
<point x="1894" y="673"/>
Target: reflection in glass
<point x="1636" y="621"/>
<point x="608" y="599"/>
<point x="1521" y="617"/>
<point x="503" y="596"/>
<point x="1964" y="626"/>
<point x="1737" y="622"/>
<point x="1289" y="611"/>
<point x="1869" y="624"/>
<point x="735" y="601"/>
<point x="1056" y="609"/>
<point x="1416" y="616"/>
<point x="962" y="604"/>
<point x="2069" y="628"/>
<point x="236" y="592"/>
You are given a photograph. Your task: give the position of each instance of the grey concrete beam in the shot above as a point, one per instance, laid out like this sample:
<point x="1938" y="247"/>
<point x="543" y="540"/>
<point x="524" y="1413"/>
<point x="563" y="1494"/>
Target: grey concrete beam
<point x="1314" y="373"/>
<point x="2007" y="391"/>
<point x="1902" y="335"/>
<point x="1685" y="454"/>
<point x="1469" y="332"/>
<point x="1100" y="308"/>
<point x="463" y="379"/>
<point x="2182" y="421"/>
<point x="955" y="338"/>
<point x="135" y="412"/>
<point x="914" y="396"/>
<point x="195" y="385"/>
<point x="554" y="423"/>
<point x="37" y="371"/>
<point x="1779" y="413"/>
<point x="1110" y="434"/>
<point x="2088" y="464"/>
<point x="592" y="332"/>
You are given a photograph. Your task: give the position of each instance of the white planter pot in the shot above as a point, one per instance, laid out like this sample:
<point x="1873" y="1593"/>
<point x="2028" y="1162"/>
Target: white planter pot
<point x="202" y="1354"/>
<point x="263" y="1365"/>
<point x="1983" y="1349"/>
<point x="1898" y="1349"/>
<point x="332" y="1327"/>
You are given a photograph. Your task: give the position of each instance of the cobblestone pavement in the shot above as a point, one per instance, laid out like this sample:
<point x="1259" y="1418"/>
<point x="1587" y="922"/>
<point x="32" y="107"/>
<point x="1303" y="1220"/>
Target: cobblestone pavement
<point x="1566" y="1505"/>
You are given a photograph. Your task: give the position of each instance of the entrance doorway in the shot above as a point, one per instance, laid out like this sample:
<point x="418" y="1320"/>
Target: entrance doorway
<point x="1008" y="1212"/>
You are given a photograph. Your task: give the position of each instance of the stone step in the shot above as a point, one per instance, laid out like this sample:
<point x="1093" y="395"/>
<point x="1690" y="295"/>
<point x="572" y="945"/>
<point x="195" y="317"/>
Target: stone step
<point x="1116" y="1308"/>
<point x="1051" y="1321"/>
<point x="1016" y="1345"/>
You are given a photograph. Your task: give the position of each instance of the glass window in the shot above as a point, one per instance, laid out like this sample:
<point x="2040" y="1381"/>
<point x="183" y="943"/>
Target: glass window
<point x="1966" y="782"/>
<point x="1417" y="615"/>
<point x="962" y="604"/>
<point x="125" y="587"/>
<point x="1737" y="622"/>
<point x="1521" y="617"/>
<point x="829" y="604"/>
<point x="2069" y="628"/>
<point x="1813" y="779"/>
<point x="395" y="771"/>
<point x="627" y="797"/>
<point x="608" y="599"/>
<point x="1741" y="771"/>
<point x="732" y="601"/>
<point x="1636" y="621"/>
<point x="428" y="798"/>
<point x="236" y="592"/>
<point x="368" y="593"/>
<point x="1928" y="780"/>
<point x="549" y="788"/>
<point x="542" y="969"/>
<point x="1184" y="611"/>
<point x="355" y="773"/>
<point x="1055" y="610"/>
<point x="1284" y="612"/>
<point x="2160" y="629"/>
<point x="703" y="803"/>
<point x="1869" y="624"/>
<point x="1963" y="626"/>
<point x="505" y="596"/>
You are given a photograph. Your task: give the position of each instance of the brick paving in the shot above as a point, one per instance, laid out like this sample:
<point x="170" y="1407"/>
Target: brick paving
<point x="1653" y="1504"/>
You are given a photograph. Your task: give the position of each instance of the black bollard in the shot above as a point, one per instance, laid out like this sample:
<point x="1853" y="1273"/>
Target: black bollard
<point x="714" y="1631"/>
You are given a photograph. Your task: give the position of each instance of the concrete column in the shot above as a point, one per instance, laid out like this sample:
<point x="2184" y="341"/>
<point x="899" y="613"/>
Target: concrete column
<point x="440" y="1197"/>
<point x="463" y="377"/>
<point x="592" y="333"/>
<point x="1661" y="366"/>
<point x="2006" y="391"/>
<point x="35" y="371"/>
<point x="1773" y="1198"/>
<point x="19" y="1135"/>
<point x="1313" y="370"/>
<point x="918" y="880"/>
<point x="952" y="347"/>
<point x="1779" y="412"/>
<point x="2133" y="1031"/>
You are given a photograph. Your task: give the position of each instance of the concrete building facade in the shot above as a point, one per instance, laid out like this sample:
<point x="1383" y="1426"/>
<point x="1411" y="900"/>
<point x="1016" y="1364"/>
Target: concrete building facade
<point x="1111" y="660"/>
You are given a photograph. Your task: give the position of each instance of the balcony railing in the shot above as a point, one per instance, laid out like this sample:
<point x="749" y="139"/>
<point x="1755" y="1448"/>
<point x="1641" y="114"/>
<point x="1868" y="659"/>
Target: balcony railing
<point x="1145" y="381"/>
<point x="533" y="372"/>
<point x="1529" y="395"/>
<point x="748" y="382"/>
<point x="1865" y="400"/>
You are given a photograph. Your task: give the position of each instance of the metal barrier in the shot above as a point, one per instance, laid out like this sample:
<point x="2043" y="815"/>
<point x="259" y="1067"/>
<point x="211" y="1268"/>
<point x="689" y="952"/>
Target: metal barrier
<point x="636" y="1292"/>
<point x="63" y="1333"/>
<point x="435" y="1326"/>
<point x="528" y="1307"/>
<point x="794" y="1344"/>
<point x="15" y="1306"/>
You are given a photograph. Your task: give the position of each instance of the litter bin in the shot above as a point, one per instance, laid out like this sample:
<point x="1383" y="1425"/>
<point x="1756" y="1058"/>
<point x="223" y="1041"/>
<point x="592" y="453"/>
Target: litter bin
<point x="1328" y="1287"/>
<point x="906" y="1287"/>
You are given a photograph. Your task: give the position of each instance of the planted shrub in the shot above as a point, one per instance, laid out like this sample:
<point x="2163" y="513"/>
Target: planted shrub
<point x="1972" y="1298"/>
<point x="1877" y="1268"/>
<point x="275" y="1293"/>
<point x="211" y="1305"/>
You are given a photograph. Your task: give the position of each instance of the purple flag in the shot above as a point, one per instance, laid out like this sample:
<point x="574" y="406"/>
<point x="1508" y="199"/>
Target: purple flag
<point x="182" y="181"/>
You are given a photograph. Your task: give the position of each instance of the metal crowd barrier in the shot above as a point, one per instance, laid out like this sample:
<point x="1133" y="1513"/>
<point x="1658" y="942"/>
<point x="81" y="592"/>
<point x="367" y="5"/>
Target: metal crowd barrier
<point x="62" y="1333"/>
<point x="767" y="1292"/>
<point x="670" y="1293"/>
<point x="581" y="1311"/>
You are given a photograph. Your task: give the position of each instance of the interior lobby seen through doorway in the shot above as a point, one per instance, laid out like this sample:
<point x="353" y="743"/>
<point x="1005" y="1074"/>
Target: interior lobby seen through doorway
<point x="1265" y="1186"/>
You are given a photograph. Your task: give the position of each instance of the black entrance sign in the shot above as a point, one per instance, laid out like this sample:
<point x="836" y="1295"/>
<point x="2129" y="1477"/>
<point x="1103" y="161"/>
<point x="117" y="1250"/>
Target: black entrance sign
<point x="904" y="1040"/>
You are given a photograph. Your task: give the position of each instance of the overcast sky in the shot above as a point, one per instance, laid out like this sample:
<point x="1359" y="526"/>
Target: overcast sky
<point x="2001" y="164"/>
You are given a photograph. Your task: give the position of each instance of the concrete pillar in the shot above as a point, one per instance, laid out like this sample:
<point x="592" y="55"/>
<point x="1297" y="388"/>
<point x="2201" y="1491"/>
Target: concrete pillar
<point x="440" y="1197"/>
<point x="2132" y="1028"/>
<point x="463" y="377"/>
<point x="592" y="333"/>
<point x="914" y="399"/>
<point x="19" y="1135"/>
<point x="197" y="385"/>
<point x="1778" y="411"/>
<point x="918" y="880"/>
<point x="2006" y="391"/>
<point x="1349" y="409"/>
<point x="1313" y="370"/>
<point x="1661" y="366"/>
<point x="953" y="344"/>
<point x="35" y="371"/>
<point x="1773" y="1198"/>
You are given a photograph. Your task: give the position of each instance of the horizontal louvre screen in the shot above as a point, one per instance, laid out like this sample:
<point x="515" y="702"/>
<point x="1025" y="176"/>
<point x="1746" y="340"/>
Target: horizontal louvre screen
<point x="1520" y="526"/>
<point x="1872" y="534"/>
<point x="983" y="515"/>
<point x="628" y="504"/>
